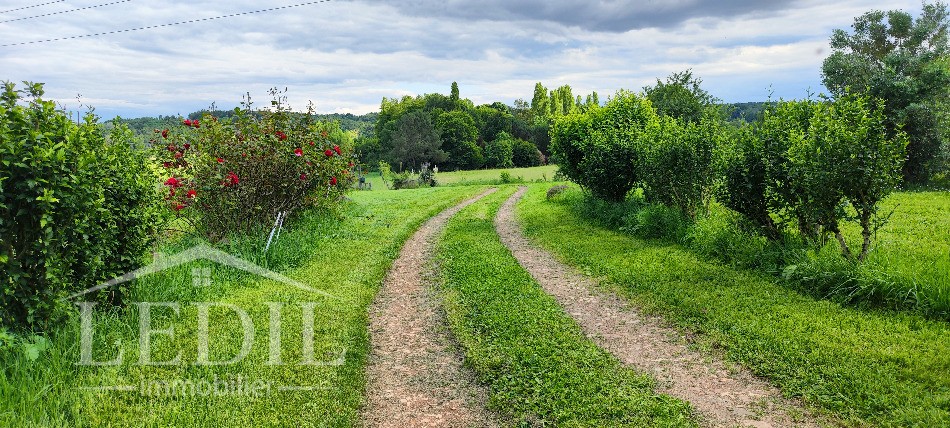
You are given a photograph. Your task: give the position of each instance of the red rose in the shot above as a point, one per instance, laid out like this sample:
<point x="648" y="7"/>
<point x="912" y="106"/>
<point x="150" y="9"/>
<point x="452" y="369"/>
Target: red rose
<point x="280" y="135"/>
<point x="191" y="193"/>
<point x="173" y="182"/>
<point x="337" y="150"/>
<point x="178" y="206"/>
<point x="329" y="153"/>
<point x="196" y="124"/>
<point x="232" y="179"/>
<point x="186" y="122"/>
<point x="187" y="146"/>
<point x="298" y="152"/>
<point x="220" y="160"/>
<point x="165" y="133"/>
<point x="303" y="177"/>
<point x="167" y="164"/>
<point x="333" y="181"/>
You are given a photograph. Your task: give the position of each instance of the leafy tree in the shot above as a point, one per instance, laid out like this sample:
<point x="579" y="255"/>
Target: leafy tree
<point x="525" y="154"/>
<point x="903" y="61"/>
<point x="415" y="140"/>
<point x="680" y="97"/>
<point x="600" y="149"/>
<point x="540" y="103"/>
<point x="498" y="153"/>
<point x="459" y="139"/>
<point x="491" y="122"/>
<point x="455" y="92"/>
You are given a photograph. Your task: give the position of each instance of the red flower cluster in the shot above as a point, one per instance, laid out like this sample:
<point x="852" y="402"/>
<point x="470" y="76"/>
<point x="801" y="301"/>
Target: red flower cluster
<point x="165" y="133"/>
<point x="329" y="153"/>
<point x="280" y="135"/>
<point x="298" y="152"/>
<point x="333" y="181"/>
<point x="193" y="123"/>
<point x="337" y="150"/>
<point x="191" y="193"/>
<point x="220" y="160"/>
<point x="231" y="180"/>
<point x="173" y="182"/>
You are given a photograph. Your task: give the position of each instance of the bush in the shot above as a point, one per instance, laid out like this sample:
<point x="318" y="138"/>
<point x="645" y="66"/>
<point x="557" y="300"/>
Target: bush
<point x="525" y="155"/>
<point x="498" y="153"/>
<point x="677" y="165"/>
<point x="76" y="208"/>
<point x="600" y="149"/>
<point x="236" y="174"/>
<point x="744" y="182"/>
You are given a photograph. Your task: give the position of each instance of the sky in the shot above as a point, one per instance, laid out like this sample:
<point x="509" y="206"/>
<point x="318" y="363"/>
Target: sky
<point x="346" y="55"/>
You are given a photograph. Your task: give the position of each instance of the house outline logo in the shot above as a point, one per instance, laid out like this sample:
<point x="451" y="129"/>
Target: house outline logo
<point x="201" y="252"/>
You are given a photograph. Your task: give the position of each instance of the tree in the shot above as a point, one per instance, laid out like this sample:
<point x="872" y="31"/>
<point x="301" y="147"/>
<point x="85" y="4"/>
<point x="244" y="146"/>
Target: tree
<point x="680" y="97"/>
<point x="455" y="93"/>
<point x="525" y="154"/>
<point x="498" y="153"/>
<point x="491" y="122"/>
<point x="459" y="139"/>
<point x="903" y="61"/>
<point x="415" y="140"/>
<point x="540" y="103"/>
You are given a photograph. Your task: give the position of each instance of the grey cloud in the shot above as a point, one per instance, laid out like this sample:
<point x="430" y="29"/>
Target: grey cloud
<point x="603" y="15"/>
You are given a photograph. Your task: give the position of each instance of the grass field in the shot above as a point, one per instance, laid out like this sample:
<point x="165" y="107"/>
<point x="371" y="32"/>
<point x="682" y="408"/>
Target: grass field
<point x="347" y="258"/>
<point x="866" y="366"/>
<point x="540" y="368"/>
<point x="481" y="176"/>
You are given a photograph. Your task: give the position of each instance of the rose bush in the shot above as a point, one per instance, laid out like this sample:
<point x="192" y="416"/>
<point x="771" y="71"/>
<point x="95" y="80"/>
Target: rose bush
<point x="236" y="174"/>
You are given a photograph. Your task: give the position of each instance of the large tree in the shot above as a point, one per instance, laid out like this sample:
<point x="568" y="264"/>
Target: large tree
<point x="459" y="139"/>
<point x="681" y="97"/>
<point x="903" y="61"/>
<point x="415" y="141"/>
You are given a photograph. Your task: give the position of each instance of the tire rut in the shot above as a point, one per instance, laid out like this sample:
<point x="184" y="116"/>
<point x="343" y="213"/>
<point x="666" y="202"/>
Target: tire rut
<point x="415" y="372"/>
<point x="723" y="395"/>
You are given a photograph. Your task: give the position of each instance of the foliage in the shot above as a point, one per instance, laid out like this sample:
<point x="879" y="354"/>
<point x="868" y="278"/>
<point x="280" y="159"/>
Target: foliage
<point x="822" y="156"/>
<point x="498" y="153"/>
<point x="524" y="154"/>
<point x="416" y="141"/>
<point x="235" y="174"/>
<point x="459" y="137"/>
<point x="599" y="149"/>
<point x="677" y="165"/>
<point x="76" y="208"/>
<point x="745" y="184"/>
<point x="902" y="60"/>
<point x="680" y="97"/>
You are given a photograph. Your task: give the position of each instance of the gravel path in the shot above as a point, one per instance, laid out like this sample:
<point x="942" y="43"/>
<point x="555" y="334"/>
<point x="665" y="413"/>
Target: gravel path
<point x="415" y="373"/>
<point x="724" y="396"/>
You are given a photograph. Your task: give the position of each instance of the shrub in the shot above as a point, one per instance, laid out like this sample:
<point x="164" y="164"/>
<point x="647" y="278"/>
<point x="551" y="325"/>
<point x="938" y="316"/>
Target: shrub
<point x="235" y="174"/>
<point x="600" y="149"/>
<point x="677" y="165"/>
<point x="498" y="153"/>
<point x="76" y="208"/>
<point x="744" y="182"/>
<point x="525" y="154"/>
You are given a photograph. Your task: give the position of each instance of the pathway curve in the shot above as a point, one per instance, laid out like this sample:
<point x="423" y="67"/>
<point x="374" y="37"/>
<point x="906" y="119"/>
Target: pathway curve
<point x="724" y="396"/>
<point x="415" y="373"/>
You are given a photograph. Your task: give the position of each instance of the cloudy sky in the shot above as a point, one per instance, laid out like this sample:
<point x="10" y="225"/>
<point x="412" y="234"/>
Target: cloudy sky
<point x="345" y="55"/>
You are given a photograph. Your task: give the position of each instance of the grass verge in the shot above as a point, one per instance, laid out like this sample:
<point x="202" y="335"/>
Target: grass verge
<point x="540" y="368"/>
<point x="345" y="257"/>
<point x="865" y="366"/>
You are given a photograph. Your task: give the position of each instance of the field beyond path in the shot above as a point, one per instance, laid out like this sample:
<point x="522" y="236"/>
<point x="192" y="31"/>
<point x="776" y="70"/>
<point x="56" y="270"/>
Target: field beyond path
<point x="723" y="396"/>
<point x="415" y="376"/>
